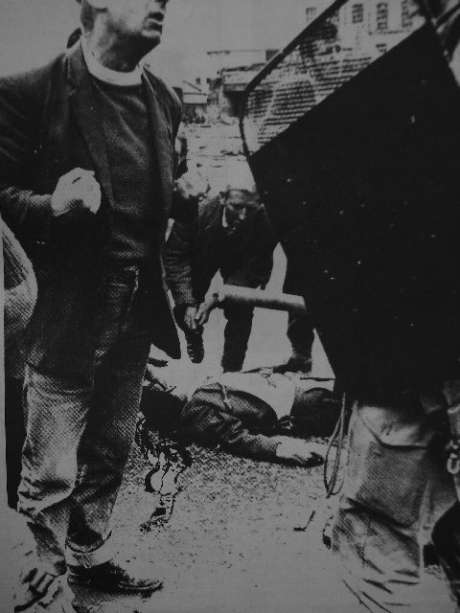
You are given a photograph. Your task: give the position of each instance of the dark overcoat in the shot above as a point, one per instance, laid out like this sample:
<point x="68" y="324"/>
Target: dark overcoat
<point x="49" y="124"/>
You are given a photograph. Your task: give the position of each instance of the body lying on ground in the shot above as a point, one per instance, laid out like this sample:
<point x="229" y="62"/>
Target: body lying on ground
<point x="265" y="417"/>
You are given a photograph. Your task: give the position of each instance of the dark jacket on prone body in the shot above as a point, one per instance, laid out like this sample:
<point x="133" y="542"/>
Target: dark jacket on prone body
<point x="49" y="124"/>
<point x="244" y="424"/>
<point x="198" y="247"/>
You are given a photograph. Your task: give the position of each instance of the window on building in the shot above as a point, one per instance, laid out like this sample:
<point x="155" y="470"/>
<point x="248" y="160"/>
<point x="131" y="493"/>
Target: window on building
<point x="406" y="16"/>
<point x="357" y="13"/>
<point x="381" y="48"/>
<point x="310" y="13"/>
<point x="382" y="16"/>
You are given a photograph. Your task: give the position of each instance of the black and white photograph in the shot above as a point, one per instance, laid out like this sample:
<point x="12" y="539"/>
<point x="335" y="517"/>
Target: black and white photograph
<point x="230" y="331"/>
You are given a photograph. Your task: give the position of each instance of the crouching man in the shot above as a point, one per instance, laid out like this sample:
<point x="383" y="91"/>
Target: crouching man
<point x="230" y="234"/>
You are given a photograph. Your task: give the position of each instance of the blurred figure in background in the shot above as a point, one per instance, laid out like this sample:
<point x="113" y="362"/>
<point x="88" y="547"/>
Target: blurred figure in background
<point x="20" y="298"/>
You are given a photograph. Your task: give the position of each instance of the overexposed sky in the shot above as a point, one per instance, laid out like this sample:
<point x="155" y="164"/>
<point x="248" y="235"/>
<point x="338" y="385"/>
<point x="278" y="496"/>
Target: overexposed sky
<point x="31" y="31"/>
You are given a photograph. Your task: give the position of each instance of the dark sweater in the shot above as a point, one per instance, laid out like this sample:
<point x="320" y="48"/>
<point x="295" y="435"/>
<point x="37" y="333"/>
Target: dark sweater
<point x="133" y="170"/>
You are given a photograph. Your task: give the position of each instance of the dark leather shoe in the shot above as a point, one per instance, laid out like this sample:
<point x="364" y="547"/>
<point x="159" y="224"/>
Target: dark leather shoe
<point x="112" y="577"/>
<point x="195" y="348"/>
<point x="296" y="363"/>
<point x="326" y="534"/>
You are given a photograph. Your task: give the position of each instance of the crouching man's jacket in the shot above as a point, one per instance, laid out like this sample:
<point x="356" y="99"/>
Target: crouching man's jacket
<point x="198" y="247"/>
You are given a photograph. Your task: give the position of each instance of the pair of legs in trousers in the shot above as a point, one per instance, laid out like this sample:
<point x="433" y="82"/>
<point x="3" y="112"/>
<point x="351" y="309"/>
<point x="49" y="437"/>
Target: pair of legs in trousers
<point x="300" y="331"/>
<point x="79" y="434"/>
<point x="397" y="496"/>
<point x="236" y="336"/>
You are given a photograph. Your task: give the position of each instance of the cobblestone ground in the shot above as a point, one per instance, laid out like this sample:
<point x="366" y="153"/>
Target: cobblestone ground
<point x="238" y="539"/>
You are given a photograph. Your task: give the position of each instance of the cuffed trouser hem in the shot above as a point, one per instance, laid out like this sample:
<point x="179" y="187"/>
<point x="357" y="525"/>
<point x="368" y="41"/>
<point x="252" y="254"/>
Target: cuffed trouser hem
<point x="364" y="599"/>
<point x="89" y="559"/>
<point x="417" y="604"/>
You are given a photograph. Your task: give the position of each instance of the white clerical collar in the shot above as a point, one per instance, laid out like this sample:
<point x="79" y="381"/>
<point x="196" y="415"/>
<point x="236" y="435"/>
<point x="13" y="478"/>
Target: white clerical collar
<point x="107" y="75"/>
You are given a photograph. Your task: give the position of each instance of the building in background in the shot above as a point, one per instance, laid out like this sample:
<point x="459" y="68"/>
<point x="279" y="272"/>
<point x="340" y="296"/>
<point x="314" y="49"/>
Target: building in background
<point x="232" y="70"/>
<point x="194" y="98"/>
<point x="378" y="24"/>
<point x="221" y="59"/>
<point x="362" y="30"/>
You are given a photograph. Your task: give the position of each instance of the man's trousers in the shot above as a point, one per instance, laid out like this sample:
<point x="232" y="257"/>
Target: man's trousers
<point x="236" y="334"/>
<point x="397" y="496"/>
<point x="79" y="433"/>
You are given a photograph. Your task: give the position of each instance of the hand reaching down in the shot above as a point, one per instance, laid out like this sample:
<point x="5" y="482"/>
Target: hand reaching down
<point x="205" y="308"/>
<point x="192" y="186"/>
<point x="190" y="318"/>
<point x="298" y="451"/>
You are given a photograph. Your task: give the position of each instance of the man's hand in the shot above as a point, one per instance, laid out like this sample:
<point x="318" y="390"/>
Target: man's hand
<point x="205" y="308"/>
<point x="298" y="451"/>
<point x="36" y="585"/>
<point x="152" y="379"/>
<point x="78" y="189"/>
<point x="190" y="318"/>
<point x="192" y="186"/>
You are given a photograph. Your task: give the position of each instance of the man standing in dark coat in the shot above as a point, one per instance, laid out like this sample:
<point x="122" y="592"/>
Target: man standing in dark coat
<point x="230" y="233"/>
<point x="86" y="170"/>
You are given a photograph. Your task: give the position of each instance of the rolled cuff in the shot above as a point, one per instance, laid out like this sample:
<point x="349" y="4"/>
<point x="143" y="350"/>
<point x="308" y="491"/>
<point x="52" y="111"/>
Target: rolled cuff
<point x="91" y="558"/>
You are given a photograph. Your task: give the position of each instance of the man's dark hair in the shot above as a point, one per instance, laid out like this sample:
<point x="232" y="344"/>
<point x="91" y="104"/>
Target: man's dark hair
<point x="315" y="412"/>
<point x="73" y="38"/>
<point x="161" y="409"/>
